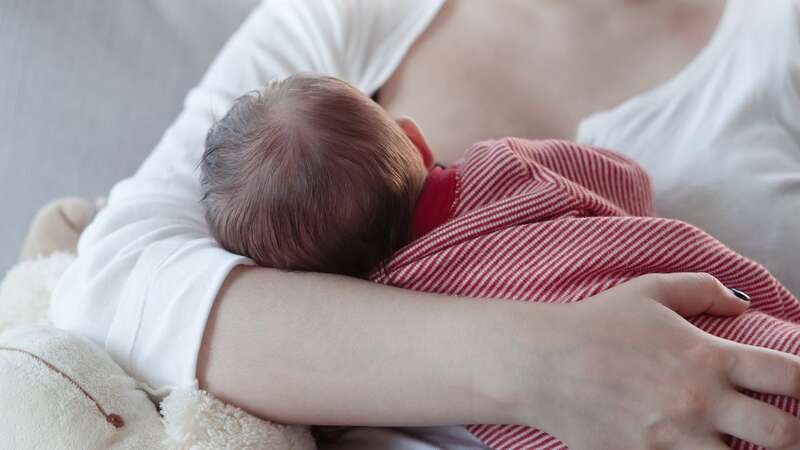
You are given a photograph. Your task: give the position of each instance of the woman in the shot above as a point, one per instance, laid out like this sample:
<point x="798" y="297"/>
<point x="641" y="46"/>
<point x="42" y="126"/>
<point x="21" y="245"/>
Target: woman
<point x="171" y="307"/>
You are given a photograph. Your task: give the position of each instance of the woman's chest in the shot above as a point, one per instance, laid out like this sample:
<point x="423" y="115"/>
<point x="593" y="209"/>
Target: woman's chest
<point x="482" y="72"/>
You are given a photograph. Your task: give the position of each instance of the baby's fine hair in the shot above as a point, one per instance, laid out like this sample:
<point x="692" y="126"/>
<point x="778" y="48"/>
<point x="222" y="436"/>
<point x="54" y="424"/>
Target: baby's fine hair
<point x="310" y="174"/>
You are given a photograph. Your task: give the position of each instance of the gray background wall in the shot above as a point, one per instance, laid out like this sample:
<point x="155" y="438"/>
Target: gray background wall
<point x="88" y="87"/>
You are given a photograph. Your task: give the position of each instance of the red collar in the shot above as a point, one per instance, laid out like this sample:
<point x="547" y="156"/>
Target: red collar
<point x="435" y="203"/>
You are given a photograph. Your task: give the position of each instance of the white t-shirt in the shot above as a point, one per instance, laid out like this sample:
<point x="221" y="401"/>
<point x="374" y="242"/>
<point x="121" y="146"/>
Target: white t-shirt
<point x="720" y="141"/>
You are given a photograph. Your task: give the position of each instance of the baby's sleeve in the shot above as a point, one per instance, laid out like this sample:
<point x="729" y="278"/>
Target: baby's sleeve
<point x="148" y="270"/>
<point x="613" y="177"/>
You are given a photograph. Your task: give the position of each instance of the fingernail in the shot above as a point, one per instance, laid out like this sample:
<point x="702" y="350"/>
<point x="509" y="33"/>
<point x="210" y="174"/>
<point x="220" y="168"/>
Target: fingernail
<point x="740" y="294"/>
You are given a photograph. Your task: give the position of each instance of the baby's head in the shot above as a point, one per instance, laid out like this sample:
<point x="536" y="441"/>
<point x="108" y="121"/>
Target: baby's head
<point x="311" y="174"/>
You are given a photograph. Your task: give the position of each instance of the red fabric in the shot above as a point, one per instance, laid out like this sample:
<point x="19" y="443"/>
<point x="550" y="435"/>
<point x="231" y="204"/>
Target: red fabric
<point x="435" y="203"/>
<point x="552" y="221"/>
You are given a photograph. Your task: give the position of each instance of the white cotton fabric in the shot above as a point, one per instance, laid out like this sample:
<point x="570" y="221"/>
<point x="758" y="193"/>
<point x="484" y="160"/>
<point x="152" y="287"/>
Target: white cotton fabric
<point x="721" y="140"/>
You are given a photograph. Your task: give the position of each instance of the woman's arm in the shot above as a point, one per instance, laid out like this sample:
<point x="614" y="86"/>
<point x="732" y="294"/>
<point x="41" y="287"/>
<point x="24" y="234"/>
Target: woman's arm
<point x="323" y="349"/>
<point x="615" y="371"/>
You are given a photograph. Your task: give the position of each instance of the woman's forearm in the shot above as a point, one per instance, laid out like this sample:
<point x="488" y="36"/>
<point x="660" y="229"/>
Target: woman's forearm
<point x="318" y="349"/>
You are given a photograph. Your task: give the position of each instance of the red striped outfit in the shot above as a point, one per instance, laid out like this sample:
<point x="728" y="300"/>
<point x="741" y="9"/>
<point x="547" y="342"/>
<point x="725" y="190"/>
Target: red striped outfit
<point x="552" y="221"/>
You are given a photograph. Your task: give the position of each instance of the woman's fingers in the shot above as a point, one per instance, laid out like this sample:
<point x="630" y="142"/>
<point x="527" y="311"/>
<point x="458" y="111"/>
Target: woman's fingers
<point x="757" y="422"/>
<point x="690" y="294"/>
<point x="764" y="370"/>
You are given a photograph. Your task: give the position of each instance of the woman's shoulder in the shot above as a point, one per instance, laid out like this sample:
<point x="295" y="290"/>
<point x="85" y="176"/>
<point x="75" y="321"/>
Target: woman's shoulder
<point x="361" y="41"/>
<point x="377" y="36"/>
<point x="766" y="48"/>
<point x="770" y="24"/>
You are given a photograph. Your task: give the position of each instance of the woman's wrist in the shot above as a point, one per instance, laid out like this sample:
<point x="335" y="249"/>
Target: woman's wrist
<point x="518" y="346"/>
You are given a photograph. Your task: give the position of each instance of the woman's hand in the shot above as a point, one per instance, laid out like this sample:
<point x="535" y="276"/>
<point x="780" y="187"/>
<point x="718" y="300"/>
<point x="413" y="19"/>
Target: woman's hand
<point x="628" y="373"/>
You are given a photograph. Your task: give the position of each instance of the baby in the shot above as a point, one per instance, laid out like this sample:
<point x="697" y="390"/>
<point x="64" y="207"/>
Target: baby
<point x="311" y="174"/>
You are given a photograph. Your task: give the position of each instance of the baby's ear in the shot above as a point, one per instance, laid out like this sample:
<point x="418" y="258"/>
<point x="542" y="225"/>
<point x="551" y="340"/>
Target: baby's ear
<point x="414" y="133"/>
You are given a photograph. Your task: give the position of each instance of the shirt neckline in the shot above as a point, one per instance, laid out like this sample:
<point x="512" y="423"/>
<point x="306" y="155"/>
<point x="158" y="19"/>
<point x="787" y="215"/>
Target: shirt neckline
<point x="435" y="203"/>
<point x="680" y="81"/>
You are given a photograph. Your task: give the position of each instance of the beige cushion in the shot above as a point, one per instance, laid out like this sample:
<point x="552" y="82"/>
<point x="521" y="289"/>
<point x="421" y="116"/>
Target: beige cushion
<point x="50" y="412"/>
<point x="57" y="226"/>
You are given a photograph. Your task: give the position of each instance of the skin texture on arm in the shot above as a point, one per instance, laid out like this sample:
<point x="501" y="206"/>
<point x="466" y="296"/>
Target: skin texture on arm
<point x="323" y="349"/>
